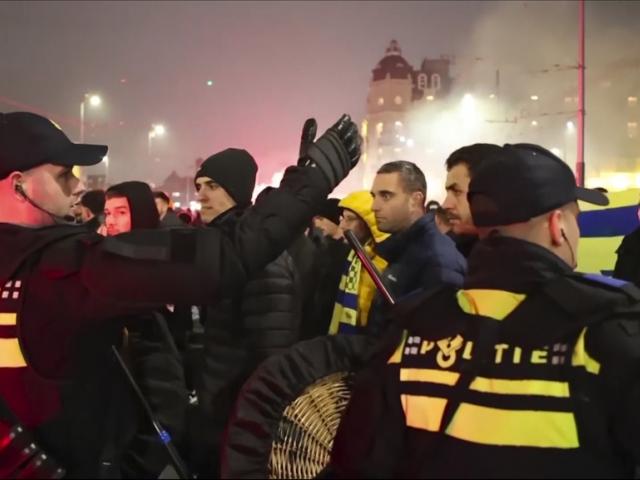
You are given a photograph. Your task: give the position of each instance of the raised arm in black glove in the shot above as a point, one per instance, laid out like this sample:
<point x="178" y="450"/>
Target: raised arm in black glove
<point x="335" y="153"/>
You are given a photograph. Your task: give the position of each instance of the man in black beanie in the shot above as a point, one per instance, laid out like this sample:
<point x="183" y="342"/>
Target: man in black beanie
<point x="225" y="180"/>
<point x="258" y="320"/>
<point x="327" y="220"/>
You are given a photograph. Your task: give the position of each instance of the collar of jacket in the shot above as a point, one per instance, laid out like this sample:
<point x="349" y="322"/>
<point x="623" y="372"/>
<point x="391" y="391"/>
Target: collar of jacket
<point x="630" y="243"/>
<point x="504" y="263"/>
<point x="464" y="243"/>
<point x="396" y="245"/>
<point x="226" y="221"/>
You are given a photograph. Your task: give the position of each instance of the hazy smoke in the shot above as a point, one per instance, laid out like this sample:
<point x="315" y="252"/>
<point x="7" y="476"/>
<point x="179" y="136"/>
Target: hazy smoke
<point x="520" y="50"/>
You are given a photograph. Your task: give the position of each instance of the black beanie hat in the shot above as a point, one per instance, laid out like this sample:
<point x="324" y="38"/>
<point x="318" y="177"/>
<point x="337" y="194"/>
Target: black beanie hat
<point x="142" y="205"/>
<point x="94" y="201"/>
<point x="234" y="170"/>
<point x="331" y="210"/>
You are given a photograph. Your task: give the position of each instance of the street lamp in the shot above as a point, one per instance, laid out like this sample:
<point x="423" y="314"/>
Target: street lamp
<point x="94" y="101"/>
<point x="105" y="159"/>
<point x="157" y="130"/>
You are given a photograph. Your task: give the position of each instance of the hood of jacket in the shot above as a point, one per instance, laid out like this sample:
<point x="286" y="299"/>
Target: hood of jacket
<point x="144" y="213"/>
<point x="361" y="203"/>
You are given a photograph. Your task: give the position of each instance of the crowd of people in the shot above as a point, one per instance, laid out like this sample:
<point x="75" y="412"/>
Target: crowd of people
<point x="496" y="360"/>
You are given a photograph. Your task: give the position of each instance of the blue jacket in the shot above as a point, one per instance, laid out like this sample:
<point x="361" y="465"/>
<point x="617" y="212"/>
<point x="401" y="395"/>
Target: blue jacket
<point x="420" y="258"/>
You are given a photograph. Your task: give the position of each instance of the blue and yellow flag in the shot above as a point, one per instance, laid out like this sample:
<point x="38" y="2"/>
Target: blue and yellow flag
<point x="603" y="228"/>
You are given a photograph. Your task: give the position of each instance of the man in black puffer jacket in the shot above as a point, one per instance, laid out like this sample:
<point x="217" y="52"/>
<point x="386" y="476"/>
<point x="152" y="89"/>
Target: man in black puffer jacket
<point x="257" y="321"/>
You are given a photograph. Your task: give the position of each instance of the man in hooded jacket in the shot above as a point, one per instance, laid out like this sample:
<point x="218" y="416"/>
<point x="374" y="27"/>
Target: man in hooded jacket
<point x="357" y="290"/>
<point x="148" y="345"/>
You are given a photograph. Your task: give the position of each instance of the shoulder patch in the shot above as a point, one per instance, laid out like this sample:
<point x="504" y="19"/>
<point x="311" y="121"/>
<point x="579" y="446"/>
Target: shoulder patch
<point x="628" y="288"/>
<point x="604" y="280"/>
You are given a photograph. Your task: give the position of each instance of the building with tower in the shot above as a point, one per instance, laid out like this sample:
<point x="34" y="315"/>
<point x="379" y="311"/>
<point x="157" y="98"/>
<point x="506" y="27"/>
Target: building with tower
<point x="395" y="90"/>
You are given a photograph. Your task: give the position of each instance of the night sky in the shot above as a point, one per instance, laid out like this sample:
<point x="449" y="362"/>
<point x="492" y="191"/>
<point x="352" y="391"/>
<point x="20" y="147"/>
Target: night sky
<point x="272" y="65"/>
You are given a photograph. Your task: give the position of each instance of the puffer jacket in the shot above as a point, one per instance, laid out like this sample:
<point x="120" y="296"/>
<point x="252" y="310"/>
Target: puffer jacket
<point x="261" y="320"/>
<point x="420" y="259"/>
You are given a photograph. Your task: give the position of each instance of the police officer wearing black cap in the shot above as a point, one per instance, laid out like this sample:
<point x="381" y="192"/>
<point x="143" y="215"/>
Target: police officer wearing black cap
<point x="531" y="370"/>
<point x="60" y="284"/>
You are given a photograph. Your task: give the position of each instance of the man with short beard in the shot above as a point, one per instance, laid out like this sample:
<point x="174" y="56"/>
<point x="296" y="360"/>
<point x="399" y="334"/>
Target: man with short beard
<point x="461" y="166"/>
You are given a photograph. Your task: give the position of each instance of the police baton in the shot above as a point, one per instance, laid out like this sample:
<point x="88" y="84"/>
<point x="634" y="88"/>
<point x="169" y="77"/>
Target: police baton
<point x="368" y="265"/>
<point x="165" y="438"/>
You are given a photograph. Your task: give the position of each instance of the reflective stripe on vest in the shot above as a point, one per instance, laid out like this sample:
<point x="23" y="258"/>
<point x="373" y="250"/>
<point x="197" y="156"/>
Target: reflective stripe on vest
<point x="10" y="352"/>
<point x="532" y="409"/>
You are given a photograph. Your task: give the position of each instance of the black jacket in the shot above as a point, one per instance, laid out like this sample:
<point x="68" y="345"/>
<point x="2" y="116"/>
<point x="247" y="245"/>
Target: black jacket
<point x="70" y="282"/>
<point x="260" y="319"/>
<point x="628" y="262"/>
<point x="420" y="259"/>
<point x="464" y="243"/>
<point x="328" y="259"/>
<point x="171" y="220"/>
<point x="376" y="437"/>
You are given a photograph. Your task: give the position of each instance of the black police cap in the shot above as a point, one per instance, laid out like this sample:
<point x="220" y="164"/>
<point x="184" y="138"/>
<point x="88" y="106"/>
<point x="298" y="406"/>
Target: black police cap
<point x="28" y="140"/>
<point x="523" y="181"/>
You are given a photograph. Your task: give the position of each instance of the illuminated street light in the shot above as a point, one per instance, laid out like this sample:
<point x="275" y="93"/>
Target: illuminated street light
<point x="94" y="101"/>
<point x="534" y="123"/>
<point x="105" y="159"/>
<point x="157" y="130"/>
<point x="534" y="98"/>
<point x="570" y="127"/>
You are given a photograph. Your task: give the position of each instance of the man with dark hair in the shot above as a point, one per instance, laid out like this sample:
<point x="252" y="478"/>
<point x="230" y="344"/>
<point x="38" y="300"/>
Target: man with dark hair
<point x="399" y="192"/>
<point x="130" y="202"/>
<point x="60" y="282"/>
<point x="419" y="256"/>
<point x="148" y="346"/>
<point x="168" y="217"/>
<point x="529" y="371"/>
<point x="92" y="208"/>
<point x="461" y="166"/>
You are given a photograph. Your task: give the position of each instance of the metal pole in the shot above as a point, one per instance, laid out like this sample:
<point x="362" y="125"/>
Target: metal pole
<point x="369" y="267"/>
<point x="82" y="121"/>
<point x="580" y="170"/>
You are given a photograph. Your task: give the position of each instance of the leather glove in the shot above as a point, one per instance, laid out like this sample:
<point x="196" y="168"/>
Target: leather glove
<point x="309" y="130"/>
<point x="335" y="153"/>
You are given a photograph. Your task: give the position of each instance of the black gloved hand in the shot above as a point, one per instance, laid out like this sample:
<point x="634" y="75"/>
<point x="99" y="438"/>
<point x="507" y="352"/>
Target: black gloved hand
<point x="309" y="130"/>
<point x="336" y="152"/>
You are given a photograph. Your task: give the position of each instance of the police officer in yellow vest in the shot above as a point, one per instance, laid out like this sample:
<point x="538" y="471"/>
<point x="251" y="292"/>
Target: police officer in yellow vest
<point x="531" y="370"/>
